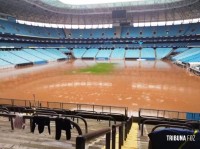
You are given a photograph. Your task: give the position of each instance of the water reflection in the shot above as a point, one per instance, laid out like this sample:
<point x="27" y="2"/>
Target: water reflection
<point x="143" y="86"/>
<point x="125" y="63"/>
<point x="77" y="84"/>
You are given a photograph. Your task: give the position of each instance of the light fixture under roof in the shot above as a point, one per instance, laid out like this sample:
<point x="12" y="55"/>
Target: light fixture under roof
<point x="90" y="2"/>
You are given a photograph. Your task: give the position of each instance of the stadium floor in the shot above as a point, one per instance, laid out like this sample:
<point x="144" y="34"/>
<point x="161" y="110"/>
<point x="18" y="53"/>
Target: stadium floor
<point x="135" y="84"/>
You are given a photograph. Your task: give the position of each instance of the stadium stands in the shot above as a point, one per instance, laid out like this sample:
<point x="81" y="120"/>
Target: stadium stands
<point x="132" y="54"/>
<point x="92" y="33"/>
<point x="78" y="53"/>
<point x="5" y="64"/>
<point x="28" y="56"/>
<point x="162" y="52"/>
<point x="187" y="53"/>
<point x="184" y="123"/>
<point x="192" y="58"/>
<point x="21" y="57"/>
<point x="39" y="54"/>
<point x="148" y="53"/>
<point x="13" y="59"/>
<point x="57" y="53"/>
<point x="90" y="53"/>
<point x="64" y="50"/>
<point x="148" y="32"/>
<point x="104" y="53"/>
<point x="126" y="32"/>
<point x="118" y="53"/>
<point x="179" y="50"/>
<point x="87" y="121"/>
<point x="47" y="53"/>
<point x="26" y="30"/>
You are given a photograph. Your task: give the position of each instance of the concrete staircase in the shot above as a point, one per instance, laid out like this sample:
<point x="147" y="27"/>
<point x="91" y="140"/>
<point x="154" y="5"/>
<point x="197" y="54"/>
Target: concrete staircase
<point x="132" y="138"/>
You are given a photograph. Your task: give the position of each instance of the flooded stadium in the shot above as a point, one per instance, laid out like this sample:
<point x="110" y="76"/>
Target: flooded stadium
<point x="133" y="84"/>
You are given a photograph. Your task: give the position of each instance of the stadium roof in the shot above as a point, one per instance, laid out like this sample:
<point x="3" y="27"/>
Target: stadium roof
<point x="88" y="4"/>
<point x="54" y="11"/>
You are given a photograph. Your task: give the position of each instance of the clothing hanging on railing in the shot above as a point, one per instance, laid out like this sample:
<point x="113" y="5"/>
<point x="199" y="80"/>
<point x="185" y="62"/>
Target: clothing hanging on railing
<point x="19" y="121"/>
<point x="41" y="121"/>
<point x="63" y="124"/>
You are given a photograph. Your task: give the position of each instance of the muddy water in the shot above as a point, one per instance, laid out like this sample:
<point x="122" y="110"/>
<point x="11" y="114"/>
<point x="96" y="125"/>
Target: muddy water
<point x="144" y="84"/>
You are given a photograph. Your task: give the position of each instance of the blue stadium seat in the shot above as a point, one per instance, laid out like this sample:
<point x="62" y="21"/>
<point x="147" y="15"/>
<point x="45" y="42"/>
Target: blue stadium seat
<point x="12" y="58"/>
<point x="162" y="52"/>
<point x="148" y="53"/>
<point x="104" y="53"/>
<point x="5" y="64"/>
<point x="132" y="53"/>
<point x="78" y="53"/>
<point x="26" y="30"/>
<point x="40" y="54"/>
<point x="118" y="53"/>
<point x="29" y="57"/>
<point x="90" y="53"/>
<point x="187" y="53"/>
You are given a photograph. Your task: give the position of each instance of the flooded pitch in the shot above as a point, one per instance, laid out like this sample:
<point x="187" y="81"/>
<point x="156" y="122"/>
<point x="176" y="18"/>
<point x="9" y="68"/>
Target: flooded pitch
<point x="134" y="84"/>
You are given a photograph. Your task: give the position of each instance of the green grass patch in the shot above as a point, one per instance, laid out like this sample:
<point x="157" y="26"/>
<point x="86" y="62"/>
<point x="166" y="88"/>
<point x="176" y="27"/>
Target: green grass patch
<point x="100" y="68"/>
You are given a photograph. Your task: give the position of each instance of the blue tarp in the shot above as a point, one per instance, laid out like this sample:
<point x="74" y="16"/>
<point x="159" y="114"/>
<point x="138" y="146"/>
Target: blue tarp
<point x="193" y="116"/>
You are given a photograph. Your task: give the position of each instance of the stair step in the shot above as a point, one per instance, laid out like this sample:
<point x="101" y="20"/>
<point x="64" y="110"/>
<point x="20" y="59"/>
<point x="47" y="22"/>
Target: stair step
<point x="132" y="138"/>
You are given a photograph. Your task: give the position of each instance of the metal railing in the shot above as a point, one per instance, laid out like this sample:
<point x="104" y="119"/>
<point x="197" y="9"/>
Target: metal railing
<point x="82" y="139"/>
<point x="53" y="113"/>
<point x="121" y="135"/>
<point x="161" y="113"/>
<point x="98" y="117"/>
<point x="62" y="105"/>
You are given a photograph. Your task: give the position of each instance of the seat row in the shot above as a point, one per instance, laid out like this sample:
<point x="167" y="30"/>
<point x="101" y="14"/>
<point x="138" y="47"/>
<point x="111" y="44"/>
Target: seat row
<point x="13" y="58"/>
<point x="121" y="53"/>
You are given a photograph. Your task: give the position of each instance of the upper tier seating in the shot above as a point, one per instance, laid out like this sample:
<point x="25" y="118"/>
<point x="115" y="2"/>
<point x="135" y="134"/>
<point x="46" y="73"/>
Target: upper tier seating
<point x="161" y="31"/>
<point x="92" y="33"/>
<point x="126" y="32"/>
<point x="26" y="30"/>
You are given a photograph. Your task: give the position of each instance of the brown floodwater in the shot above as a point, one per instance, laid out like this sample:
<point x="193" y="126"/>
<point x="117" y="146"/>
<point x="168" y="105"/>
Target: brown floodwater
<point x="134" y="84"/>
